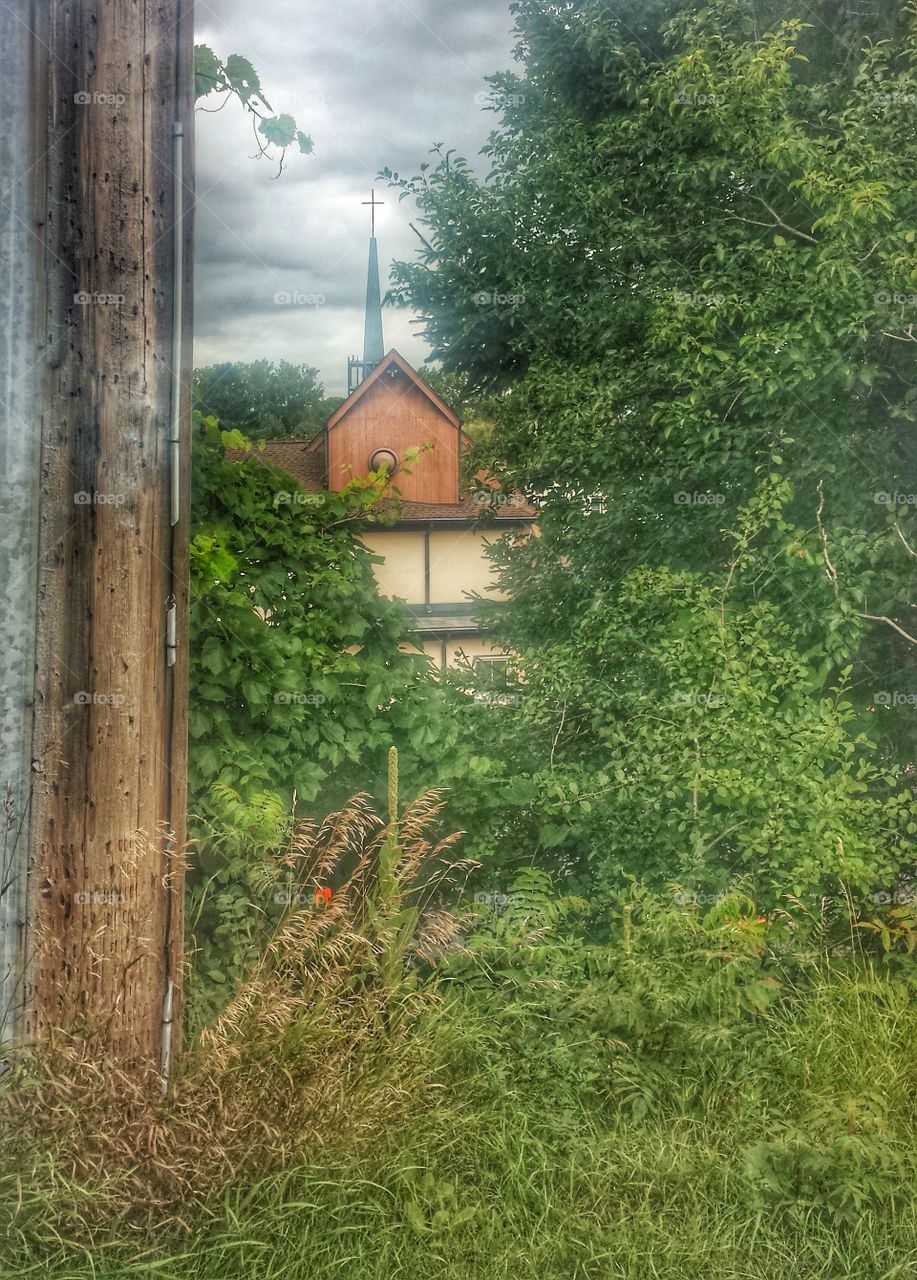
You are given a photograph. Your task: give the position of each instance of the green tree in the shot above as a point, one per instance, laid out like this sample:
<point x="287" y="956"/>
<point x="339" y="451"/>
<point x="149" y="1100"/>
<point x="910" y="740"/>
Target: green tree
<point x="264" y="400"/>
<point x="692" y="270"/>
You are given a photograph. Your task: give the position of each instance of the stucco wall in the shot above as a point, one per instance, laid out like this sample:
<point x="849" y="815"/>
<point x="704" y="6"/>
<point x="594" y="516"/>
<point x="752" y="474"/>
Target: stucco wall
<point x="458" y="564"/>
<point x="402" y="573"/>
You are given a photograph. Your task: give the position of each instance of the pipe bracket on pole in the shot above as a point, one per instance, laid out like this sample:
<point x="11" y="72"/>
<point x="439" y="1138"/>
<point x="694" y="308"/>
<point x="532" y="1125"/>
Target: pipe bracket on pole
<point x="171" y="632"/>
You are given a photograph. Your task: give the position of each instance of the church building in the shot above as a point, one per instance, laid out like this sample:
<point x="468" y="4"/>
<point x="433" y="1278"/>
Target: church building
<point x="434" y="557"/>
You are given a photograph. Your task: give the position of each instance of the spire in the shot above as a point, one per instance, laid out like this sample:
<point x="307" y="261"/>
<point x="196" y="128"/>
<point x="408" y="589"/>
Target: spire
<point x="373" y="344"/>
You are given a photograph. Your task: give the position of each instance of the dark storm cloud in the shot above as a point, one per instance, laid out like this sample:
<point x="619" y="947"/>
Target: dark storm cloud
<point x="281" y="263"/>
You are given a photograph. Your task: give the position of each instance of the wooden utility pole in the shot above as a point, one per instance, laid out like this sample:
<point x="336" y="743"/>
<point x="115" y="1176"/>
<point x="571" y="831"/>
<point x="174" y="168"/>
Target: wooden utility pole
<point x="107" y="198"/>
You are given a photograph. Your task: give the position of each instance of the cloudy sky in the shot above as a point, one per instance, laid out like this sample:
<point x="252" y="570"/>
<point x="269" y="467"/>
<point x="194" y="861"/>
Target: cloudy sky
<point x="375" y="83"/>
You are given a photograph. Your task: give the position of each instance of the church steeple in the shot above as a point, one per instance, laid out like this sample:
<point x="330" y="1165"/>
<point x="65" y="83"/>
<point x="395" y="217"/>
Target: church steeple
<point x="373" y="341"/>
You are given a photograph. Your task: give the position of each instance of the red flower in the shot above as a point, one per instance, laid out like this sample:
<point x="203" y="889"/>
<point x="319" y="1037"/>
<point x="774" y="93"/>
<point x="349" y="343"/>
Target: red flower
<point x="322" y="896"/>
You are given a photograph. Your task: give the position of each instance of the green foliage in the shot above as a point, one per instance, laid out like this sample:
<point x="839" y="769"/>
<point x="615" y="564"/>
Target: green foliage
<point x="298" y="685"/>
<point x="638" y="1015"/>
<point x="682" y="732"/>
<point x="236" y="77"/>
<point x="691" y="271"/>
<point x="264" y="400"/>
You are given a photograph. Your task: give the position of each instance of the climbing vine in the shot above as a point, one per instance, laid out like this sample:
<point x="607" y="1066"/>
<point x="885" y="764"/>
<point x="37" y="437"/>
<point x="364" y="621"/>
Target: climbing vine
<point x="302" y="676"/>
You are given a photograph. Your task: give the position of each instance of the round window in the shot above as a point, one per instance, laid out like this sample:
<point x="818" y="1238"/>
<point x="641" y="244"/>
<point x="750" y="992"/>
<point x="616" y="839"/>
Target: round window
<point x="384" y="458"/>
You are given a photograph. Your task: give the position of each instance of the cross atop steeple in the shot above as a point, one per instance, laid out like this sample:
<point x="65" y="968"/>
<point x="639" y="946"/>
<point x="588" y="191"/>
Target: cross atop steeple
<point x="374" y="203"/>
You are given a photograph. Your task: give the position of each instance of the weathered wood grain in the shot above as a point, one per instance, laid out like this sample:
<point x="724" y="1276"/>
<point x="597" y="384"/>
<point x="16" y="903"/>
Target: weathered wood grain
<point x="110" y="716"/>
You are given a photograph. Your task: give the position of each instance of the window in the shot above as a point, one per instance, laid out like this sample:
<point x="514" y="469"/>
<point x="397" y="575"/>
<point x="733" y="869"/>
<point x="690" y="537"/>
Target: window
<point x="491" y="670"/>
<point x="384" y="458"/>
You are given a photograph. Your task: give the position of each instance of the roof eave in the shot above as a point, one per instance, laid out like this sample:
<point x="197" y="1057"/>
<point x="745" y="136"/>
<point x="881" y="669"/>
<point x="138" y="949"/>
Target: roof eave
<point x="392" y="358"/>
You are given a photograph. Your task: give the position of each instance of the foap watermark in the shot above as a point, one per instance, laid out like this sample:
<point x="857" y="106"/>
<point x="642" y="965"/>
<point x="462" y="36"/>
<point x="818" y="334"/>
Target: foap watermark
<point x="685" y="499"/>
<point x="894" y="298"/>
<point x="693" y="898"/>
<point x="85" y="699"/>
<point x="86" y="299"/>
<point x="299" y="699"/>
<point x="86" y="98"/>
<point x="320" y="896"/>
<point x="495" y="900"/>
<point x="495" y="299"/>
<point x="900" y="896"/>
<point x="692" y="298"/>
<point x="98" y="898"/>
<point x="895" y="99"/>
<point x="293" y="298"/>
<point x="298" y="499"/>
<point x="894" y="698"/>
<point x="896" y="499"/>
<point x="490" y="498"/>
<point x="493" y="698"/>
<point x="696" y="698"/>
<point x="498" y="101"/>
<point x="687" y="98"/>
<point x="83" y="498"/>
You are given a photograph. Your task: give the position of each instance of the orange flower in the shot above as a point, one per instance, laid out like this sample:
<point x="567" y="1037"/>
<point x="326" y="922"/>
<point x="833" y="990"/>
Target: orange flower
<point x="322" y="896"/>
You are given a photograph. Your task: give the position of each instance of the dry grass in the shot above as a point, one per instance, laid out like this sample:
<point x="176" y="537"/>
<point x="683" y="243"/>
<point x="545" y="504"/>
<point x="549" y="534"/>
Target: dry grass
<point x="382" y="912"/>
<point x="293" y="1062"/>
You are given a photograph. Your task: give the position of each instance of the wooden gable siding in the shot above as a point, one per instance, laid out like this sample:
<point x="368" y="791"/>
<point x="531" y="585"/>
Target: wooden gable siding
<point x="396" y="414"/>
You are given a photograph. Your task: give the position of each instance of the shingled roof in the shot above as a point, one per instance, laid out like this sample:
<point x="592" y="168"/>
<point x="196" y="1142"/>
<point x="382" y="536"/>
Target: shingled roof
<point x="304" y="460"/>
<point x="470" y="508"/>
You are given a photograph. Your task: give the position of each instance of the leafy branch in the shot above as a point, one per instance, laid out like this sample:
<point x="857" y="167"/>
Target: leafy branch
<point x="237" y="78"/>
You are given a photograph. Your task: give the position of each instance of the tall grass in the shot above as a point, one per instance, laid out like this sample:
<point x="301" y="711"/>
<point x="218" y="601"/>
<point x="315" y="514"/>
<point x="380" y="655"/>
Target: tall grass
<point x="476" y="1178"/>
<point x="684" y="1103"/>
